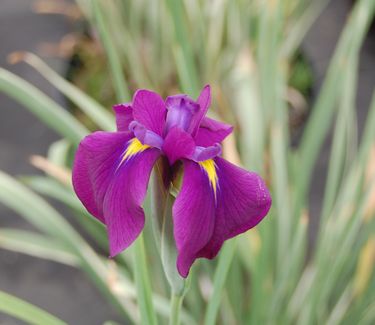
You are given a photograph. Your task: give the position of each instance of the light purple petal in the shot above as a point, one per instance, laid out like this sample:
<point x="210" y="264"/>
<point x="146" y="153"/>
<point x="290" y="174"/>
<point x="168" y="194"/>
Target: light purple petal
<point x="211" y="132"/>
<point x="149" y="110"/>
<point x="124" y="116"/>
<point x="193" y="216"/>
<point x="181" y="111"/>
<point x="243" y="200"/>
<point x="202" y="153"/>
<point x="123" y="213"/>
<point x="178" y="144"/>
<point x="146" y="136"/>
<point x="204" y="101"/>
<point x="95" y="162"/>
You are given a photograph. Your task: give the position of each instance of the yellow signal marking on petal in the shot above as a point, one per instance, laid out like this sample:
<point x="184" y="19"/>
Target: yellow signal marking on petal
<point x="135" y="146"/>
<point x="209" y="167"/>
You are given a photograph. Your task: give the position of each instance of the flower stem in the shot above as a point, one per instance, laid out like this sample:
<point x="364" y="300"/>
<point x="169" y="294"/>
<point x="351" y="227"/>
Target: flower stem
<point x="176" y="303"/>
<point x="162" y="203"/>
<point x="142" y="281"/>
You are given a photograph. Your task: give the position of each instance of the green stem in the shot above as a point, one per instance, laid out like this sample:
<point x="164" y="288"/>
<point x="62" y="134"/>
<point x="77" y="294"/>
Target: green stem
<point x="162" y="203"/>
<point x="176" y="303"/>
<point x="142" y="280"/>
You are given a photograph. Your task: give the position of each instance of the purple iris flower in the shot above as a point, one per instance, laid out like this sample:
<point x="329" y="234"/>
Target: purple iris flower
<point x="216" y="200"/>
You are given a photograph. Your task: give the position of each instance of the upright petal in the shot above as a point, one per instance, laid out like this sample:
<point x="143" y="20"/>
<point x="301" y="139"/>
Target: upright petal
<point x="149" y="110"/>
<point x="123" y="213"/>
<point x="193" y="215"/>
<point x="243" y="200"/>
<point x="204" y="101"/>
<point x="95" y="162"/>
<point x="211" y="132"/>
<point x="124" y="116"/>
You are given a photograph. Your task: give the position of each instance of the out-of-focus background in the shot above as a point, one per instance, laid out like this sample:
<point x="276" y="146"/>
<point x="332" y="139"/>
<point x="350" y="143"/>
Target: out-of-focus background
<point x="62" y="290"/>
<point x="58" y="32"/>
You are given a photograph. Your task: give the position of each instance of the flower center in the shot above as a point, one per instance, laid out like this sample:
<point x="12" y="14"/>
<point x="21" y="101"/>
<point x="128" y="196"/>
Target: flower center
<point x="181" y="110"/>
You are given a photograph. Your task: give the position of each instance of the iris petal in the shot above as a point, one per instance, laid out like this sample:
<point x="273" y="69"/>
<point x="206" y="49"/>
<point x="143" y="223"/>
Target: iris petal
<point x="149" y="110"/>
<point x="204" y="101"/>
<point x="211" y="132"/>
<point x="146" y="136"/>
<point x="201" y="222"/>
<point x="134" y="148"/>
<point x="95" y="163"/>
<point x="243" y="201"/>
<point x="178" y="144"/>
<point x="209" y="167"/>
<point x="123" y="213"/>
<point x="202" y="153"/>
<point x="181" y="111"/>
<point x="124" y="116"/>
<point x="113" y="190"/>
<point x="193" y="215"/>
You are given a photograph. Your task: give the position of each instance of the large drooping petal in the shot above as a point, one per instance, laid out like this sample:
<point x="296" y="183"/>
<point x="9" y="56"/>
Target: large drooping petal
<point x="123" y="213"/>
<point x="193" y="215"/>
<point x="124" y="116"/>
<point x="149" y="110"/>
<point x="243" y="200"/>
<point x="95" y="162"/>
<point x="211" y="132"/>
